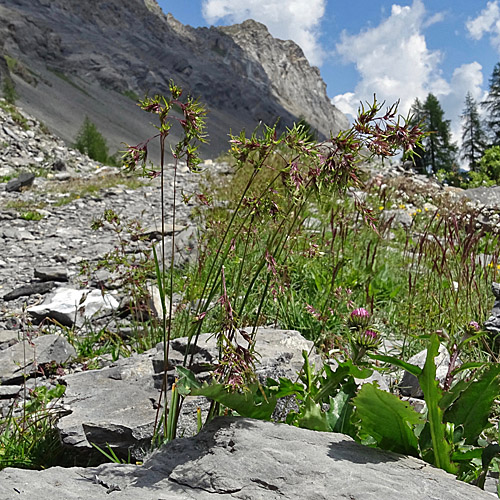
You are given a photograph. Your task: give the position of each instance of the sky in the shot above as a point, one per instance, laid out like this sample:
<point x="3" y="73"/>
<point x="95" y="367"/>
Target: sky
<point x="398" y="50"/>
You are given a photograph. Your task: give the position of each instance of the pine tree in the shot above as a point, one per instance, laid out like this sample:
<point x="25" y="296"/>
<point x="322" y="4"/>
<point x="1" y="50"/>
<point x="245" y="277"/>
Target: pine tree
<point x="438" y="151"/>
<point x="492" y="106"/>
<point x="418" y="118"/>
<point x="473" y="136"/>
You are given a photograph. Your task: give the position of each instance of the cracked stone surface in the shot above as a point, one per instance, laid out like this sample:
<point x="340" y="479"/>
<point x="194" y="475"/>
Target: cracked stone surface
<point x="249" y="460"/>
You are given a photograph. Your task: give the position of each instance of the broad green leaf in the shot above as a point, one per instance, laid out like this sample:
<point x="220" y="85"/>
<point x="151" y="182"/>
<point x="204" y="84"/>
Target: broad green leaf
<point x="330" y="383"/>
<point x="340" y="411"/>
<point x="252" y="402"/>
<point x="312" y="417"/>
<point x="427" y="379"/>
<point x="467" y="366"/>
<point x="465" y="456"/>
<point x="187" y="381"/>
<point x="413" y="369"/>
<point x="387" y="419"/>
<point x="285" y="387"/>
<point x="473" y="407"/>
<point x="453" y="394"/>
<point x="356" y="371"/>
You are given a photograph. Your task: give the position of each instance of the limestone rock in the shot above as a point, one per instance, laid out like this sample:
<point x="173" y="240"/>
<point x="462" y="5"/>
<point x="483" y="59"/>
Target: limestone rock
<point x="409" y="385"/>
<point x="51" y="273"/>
<point x="69" y="306"/>
<point x="492" y="324"/>
<point x="116" y="405"/>
<point x="488" y="196"/>
<point x="24" y="180"/>
<point x="247" y="459"/>
<point x="30" y="289"/>
<point x="23" y="358"/>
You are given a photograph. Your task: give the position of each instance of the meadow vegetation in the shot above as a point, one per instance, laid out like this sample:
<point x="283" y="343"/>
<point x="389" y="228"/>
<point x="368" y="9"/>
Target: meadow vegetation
<point x="305" y="236"/>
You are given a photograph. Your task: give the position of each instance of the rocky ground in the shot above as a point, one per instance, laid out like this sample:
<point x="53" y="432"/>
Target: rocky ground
<point x="49" y="197"/>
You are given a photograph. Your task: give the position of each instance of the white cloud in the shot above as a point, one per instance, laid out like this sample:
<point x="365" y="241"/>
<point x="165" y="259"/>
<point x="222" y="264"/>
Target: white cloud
<point x="487" y="22"/>
<point x="394" y="62"/>
<point x="296" y="20"/>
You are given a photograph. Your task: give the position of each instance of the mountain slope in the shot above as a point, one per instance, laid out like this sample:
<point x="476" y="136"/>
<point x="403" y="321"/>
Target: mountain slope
<point x="74" y="58"/>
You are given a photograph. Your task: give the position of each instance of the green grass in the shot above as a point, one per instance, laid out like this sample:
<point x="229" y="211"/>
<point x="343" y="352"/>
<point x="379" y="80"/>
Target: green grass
<point x="15" y="114"/>
<point x="28" y="438"/>
<point x="32" y="215"/>
<point x="67" y="79"/>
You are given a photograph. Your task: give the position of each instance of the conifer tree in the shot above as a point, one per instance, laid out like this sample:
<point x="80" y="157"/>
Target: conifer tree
<point x="418" y="118"/>
<point x="91" y="142"/>
<point x="473" y="136"/>
<point x="438" y="151"/>
<point x="492" y="106"/>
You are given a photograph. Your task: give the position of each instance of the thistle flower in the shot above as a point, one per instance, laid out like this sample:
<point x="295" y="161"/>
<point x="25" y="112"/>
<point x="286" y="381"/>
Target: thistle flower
<point x="368" y="339"/>
<point x="359" y="318"/>
<point x="474" y="326"/>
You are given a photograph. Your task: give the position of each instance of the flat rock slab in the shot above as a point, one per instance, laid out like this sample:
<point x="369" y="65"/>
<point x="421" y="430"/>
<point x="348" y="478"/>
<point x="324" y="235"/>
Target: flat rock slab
<point x="116" y="405"/>
<point x="236" y="458"/>
<point x="23" y="358"/>
<point x="68" y="306"/>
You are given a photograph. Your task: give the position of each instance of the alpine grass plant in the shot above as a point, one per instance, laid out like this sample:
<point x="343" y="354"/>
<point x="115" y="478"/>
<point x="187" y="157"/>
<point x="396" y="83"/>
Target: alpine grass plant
<point x="192" y="125"/>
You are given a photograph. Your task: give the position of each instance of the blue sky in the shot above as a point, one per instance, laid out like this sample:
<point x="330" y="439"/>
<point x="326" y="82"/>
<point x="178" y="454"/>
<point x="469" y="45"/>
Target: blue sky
<point x="396" y="49"/>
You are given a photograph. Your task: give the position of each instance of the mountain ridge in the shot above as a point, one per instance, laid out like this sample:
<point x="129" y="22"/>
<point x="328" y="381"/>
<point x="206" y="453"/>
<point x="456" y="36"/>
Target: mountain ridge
<point x="124" y="48"/>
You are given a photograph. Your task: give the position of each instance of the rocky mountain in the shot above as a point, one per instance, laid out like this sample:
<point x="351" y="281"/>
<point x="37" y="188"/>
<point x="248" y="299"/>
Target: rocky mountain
<point x="70" y="59"/>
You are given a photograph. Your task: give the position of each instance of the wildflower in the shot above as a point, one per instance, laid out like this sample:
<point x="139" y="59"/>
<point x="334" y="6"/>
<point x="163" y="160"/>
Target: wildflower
<point x="419" y="211"/>
<point x="473" y="326"/>
<point x="368" y="340"/>
<point x="381" y="208"/>
<point x="359" y="318"/>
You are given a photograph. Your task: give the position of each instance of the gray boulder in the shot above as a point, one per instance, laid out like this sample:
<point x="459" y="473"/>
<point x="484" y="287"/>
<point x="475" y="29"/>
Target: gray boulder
<point x="23" y="358"/>
<point x="117" y="404"/>
<point x="488" y="196"/>
<point x="492" y="324"/>
<point x="248" y="459"/>
<point x="24" y="180"/>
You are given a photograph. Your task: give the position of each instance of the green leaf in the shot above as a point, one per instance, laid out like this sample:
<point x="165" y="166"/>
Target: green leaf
<point x="356" y="371"/>
<point x="312" y="417"/>
<point x="442" y="450"/>
<point x="450" y="396"/>
<point x="467" y="366"/>
<point x="331" y="382"/>
<point x="473" y="407"/>
<point x="285" y="387"/>
<point x="413" y="369"/>
<point x="387" y="419"/>
<point x="187" y="381"/>
<point x="340" y="411"/>
<point x="253" y="402"/>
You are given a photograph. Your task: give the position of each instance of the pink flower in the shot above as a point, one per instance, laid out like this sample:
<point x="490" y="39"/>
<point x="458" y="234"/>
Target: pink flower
<point x="368" y="340"/>
<point x="474" y="325"/>
<point x="359" y="318"/>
